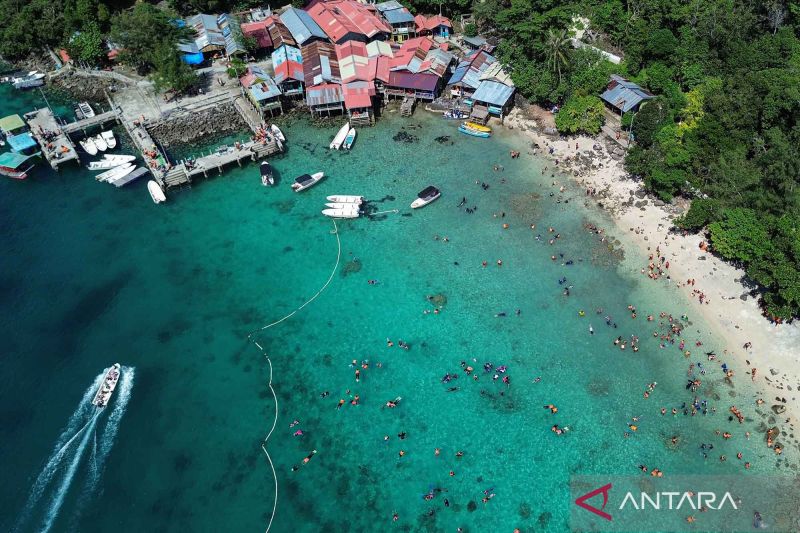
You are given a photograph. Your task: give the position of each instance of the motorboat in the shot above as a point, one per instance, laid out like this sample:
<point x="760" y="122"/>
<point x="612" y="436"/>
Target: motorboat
<point x="78" y="113"/>
<point x="28" y="81"/>
<point x="121" y="178"/>
<point x="89" y="146"/>
<point x="106" y="389"/>
<point x="86" y="109"/>
<point x="108" y="137"/>
<point x="111" y="161"/>
<point x="478" y="127"/>
<point x="306" y="181"/>
<point x="155" y="192"/>
<point x="475" y="133"/>
<point x="342" y="205"/>
<point x="267" y="177"/>
<point x="276" y="131"/>
<point x="426" y="196"/>
<point x="340" y="137"/>
<point x="350" y="139"/>
<point x="100" y="143"/>
<point x="454" y="114"/>
<point x="342" y="213"/>
<point x="346" y="199"/>
<point x="116" y="172"/>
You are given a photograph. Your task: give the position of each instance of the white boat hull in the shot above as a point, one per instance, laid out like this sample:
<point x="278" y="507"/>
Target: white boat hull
<point x="89" y="146"/>
<point x="103" y="394"/>
<point x="111" y="161"/>
<point x="315" y="178"/>
<point x="276" y="131"/>
<point x="155" y="192"/>
<point x="341" y="213"/>
<point x="346" y="199"/>
<point x="114" y="173"/>
<point x="100" y="143"/>
<point x="342" y="205"/>
<point x="350" y="139"/>
<point x="108" y="137"/>
<point x="340" y="137"/>
<point x="422" y="202"/>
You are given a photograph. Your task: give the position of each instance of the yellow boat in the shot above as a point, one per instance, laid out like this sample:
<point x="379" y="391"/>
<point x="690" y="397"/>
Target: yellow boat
<point x="478" y="127"/>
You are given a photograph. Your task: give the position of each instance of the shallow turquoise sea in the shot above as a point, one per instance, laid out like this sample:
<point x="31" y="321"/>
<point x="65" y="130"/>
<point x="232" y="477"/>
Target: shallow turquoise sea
<point x="93" y="275"/>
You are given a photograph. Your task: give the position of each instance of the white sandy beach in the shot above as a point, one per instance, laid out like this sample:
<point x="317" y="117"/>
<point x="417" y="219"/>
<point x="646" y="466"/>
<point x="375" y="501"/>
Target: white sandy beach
<point x="775" y="350"/>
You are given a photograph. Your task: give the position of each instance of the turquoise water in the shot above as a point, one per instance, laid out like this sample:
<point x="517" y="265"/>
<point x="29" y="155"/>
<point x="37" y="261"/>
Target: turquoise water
<point x="93" y="275"/>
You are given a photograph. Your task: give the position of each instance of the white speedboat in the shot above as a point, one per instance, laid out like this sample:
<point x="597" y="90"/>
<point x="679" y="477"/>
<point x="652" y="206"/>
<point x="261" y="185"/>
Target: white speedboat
<point x="276" y="131"/>
<point x="111" y="161"/>
<point x="426" y="196"/>
<point x="267" y="176"/>
<point x="306" y="181"/>
<point x="155" y="192"/>
<point x="116" y="172"/>
<point x="350" y="139"/>
<point x="89" y="146"/>
<point x="342" y="213"/>
<point x="108" y="137"/>
<point x="342" y="205"/>
<point x="346" y="199"/>
<point x="86" y="109"/>
<point x="103" y="394"/>
<point x="340" y="137"/>
<point x="122" y="178"/>
<point x="100" y="143"/>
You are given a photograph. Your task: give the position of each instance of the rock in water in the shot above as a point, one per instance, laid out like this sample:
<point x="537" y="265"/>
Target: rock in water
<point x="405" y="137"/>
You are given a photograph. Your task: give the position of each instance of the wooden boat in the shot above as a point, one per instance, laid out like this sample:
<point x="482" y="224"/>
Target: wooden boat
<point x="475" y="133"/>
<point x="426" y="196"/>
<point x="276" y="131"/>
<point x="108" y="137"/>
<point x="350" y="139"/>
<point x="267" y="177"/>
<point x="340" y="137"/>
<point x="306" y="181"/>
<point x="116" y="172"/>
<point x="11" y="165"/>
<point x="478" y="127"/>
<point x="100" y="143"/>
<point x="155" y="192"/>
<point x="345" y="212"/>
<point x="86" y="109"/>
<point x="345" y="199"/>
<point x="89" y="146"/>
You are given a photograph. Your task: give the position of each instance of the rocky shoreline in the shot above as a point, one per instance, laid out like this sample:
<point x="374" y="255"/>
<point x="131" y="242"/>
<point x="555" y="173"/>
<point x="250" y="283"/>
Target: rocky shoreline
<point x="188" y="127"/>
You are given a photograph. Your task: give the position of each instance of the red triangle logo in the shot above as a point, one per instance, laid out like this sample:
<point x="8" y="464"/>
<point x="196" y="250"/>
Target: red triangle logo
<point x="599" y="512"/>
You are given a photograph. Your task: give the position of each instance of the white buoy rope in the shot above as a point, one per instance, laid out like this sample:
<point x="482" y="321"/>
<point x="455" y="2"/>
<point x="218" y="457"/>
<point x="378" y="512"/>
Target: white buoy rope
<point x="250" y="338"/>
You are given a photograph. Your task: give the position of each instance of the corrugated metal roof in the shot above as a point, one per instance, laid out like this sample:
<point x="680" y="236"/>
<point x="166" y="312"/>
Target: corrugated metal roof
<point x="338" y="18"/>
<point x="357" y="94"/>
<point x="320" y="63"/>
<point x="475" y="41"/>
<point x="624" y="94"/>
<point x="325" y="94"/>
<point x="289" y="70"/>
<point x="260" y="84"/>
<point x="286" y="53"/>
<point x="259" y="30"/>
<point x="301" y="25"/>
<point x="410" y="80"/>
<point x="379" y="48"/>
<point x="11" y="123"/>
<point x="493" y="93"/>
<point x="21" y="141"/>
<point x="398" y="16"/>
<point x="13" y="160"/>
<point x="496" y="73"/>
<point x="388" y="6"/>
<point x="280" y="34"/>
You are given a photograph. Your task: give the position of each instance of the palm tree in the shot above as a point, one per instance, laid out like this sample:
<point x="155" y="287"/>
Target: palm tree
<point x="557" y="46"/>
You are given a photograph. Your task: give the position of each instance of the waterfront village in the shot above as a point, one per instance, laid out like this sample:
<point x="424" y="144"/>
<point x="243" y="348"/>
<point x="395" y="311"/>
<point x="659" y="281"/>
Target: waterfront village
<point x="334" y="58"/>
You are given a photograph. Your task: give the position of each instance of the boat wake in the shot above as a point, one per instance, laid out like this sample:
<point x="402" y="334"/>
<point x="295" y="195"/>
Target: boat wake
<point x="63" y="465"/>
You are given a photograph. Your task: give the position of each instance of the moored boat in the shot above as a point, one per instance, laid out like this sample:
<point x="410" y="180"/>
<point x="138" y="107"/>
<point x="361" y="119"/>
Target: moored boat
<point x="86" y="109"/>
<point x="121" y="177"/>
<point x="28" y="81"/>
<point x="116" y="172"/>
<point x="276" y="131"/>
<point x="426" y="196"/>
<point x="110" y="380"/>
<point x="475" y="133"/>
<point x="155" y="192"/>
<point x="100" y="143"/>
<point x="454" y="114"/>
<point x="350" y="139"/>
<point x="267" y="177"/>
<point x="111" y="161"/>
<point x="342" y="205"/>
<point x="88" y="146"/>
<point x="342" y="212"/>
<point x="340" y="137"/>
<point x="478" y="127"/>
<point x="306" y="181"/>
<point x="108" y="137"/>
<point x="346" y="199"/>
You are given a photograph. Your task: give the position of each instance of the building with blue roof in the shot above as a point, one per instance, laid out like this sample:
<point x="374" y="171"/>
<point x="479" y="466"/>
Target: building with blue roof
<point x="261" y="90"/>
<point x="22" y="143"/>
<point x="467" y="75"/>
<point x="302" y="26"/>
<point x="399" y="18"/>
<point x="622" y="95"/>
<point x="216" y="34"/>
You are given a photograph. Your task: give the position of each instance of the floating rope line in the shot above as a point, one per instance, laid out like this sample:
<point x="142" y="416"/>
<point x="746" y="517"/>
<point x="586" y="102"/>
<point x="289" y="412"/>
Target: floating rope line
<point x="250" y="338"/>
<point x="384" y="212"/>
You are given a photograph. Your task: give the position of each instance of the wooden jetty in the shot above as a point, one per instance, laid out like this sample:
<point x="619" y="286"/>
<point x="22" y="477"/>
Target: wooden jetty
<point x="84" y="124"/>
<point x="252" y="150"/>
<point x="407" y="107"/>
<point x="56" y="145"/>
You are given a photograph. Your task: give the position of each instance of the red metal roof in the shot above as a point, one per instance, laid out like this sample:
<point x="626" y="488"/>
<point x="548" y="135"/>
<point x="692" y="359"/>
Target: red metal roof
<point x="259" y="30"/>
<point x="337" y="18"/>
<point x="409" y="80"/>
<point x="327" y="93"/>
<point x="417" y="47"/>
<point x="320" y="63"/>
<point x="357" y="94"/>
<point x="289" y="70"/>
<point x="431" y="23"/>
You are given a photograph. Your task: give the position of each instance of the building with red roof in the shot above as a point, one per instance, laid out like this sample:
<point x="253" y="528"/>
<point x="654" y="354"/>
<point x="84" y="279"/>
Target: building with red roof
<point x="348" y="20"/>
<point x="258" y="30"/>
<point x="287" y="62"/>
<point x="435" y="25"/>
<point x="418" y="69"/>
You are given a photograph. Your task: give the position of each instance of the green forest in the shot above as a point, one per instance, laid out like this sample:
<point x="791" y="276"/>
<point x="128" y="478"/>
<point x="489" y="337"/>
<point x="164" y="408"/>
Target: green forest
<point x="723" y="130"/>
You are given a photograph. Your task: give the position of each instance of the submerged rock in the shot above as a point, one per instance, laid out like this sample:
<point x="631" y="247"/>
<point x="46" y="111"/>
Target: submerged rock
<point x="439" y="300"/>
<point x="351" y="267"/>
<point x="444" y="139"/>
<point x="405" y="137"/>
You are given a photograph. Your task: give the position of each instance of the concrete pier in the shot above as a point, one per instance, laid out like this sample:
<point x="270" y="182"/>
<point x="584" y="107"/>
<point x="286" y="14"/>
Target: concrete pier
<point x="56" y="145"/>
